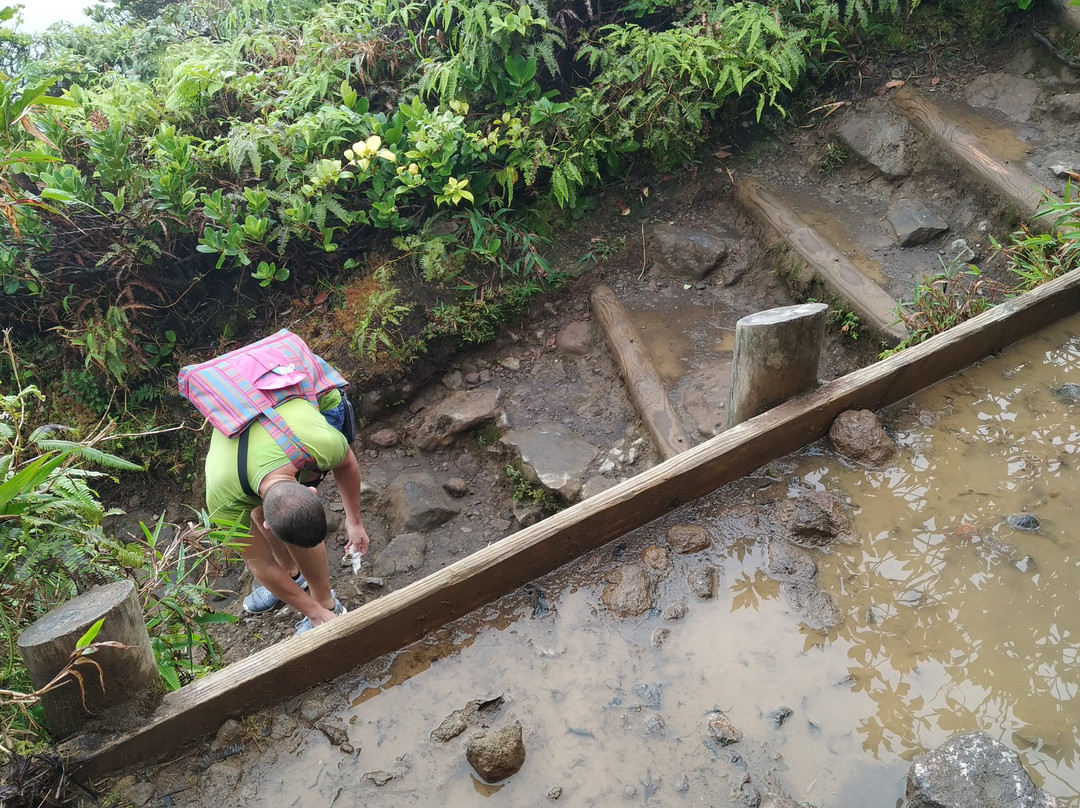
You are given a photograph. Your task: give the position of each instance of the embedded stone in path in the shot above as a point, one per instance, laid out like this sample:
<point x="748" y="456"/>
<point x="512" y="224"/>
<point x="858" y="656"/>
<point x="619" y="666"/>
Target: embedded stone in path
<point x="817" y="607"/>
<point x="915" y="223"/>
<point x="497" y="754"/>
<point x="574" y="338"/>
<point x="629" y="594"/>
<point x="405" y="552"/>
<point x="972" y="770"/>
<point x="1014" y="96"/>
<point x="789" y="562"/>
<point x="552" y="456"/>
<point x="687" y="539"/>
<point x="816" y="519"/>
<point x="415" y="501"/>
<point x="456" y="413"/>
<point x="685" y="252"/>
<point x="859" y="436"/>
<point x="1065" y="107"/>
<point x="880" y="140"/>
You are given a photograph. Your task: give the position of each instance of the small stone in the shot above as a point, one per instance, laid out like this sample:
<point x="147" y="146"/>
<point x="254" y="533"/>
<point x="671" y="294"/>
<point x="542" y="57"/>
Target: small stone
<point x="384" y="438"/>
<point x="511" y="363"/>
<point x="676" y="611"/>
<point x="472" y="378"/>
<point x="780" y="715"/>
<point x="656" y="558"/>
<point x="347" y="748"/>
<point x="660" y="636"/>
<point x="379" y="778"/>
<point x="682" y="783"/>
<point x="629" y="792"/>
<point x="555" y="792"/>
<point x="1028" y="522"/>
<point x="497" y="754"/>
<point x="688" y="539"/>
<point x="702" y="582"/>
<point x="456" y="487"/>
<point x="722" y="730"/>
<point x="654" y="724"/>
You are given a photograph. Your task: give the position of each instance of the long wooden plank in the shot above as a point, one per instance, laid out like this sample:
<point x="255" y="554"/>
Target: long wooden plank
<point x="646" y="389"/>
<point x="872" y="303"/>
<point x="1006" y="179"/>
<point x="391" y="622"/>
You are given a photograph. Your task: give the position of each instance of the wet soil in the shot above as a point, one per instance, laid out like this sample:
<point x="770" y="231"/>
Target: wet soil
<point x="685" y="325"/>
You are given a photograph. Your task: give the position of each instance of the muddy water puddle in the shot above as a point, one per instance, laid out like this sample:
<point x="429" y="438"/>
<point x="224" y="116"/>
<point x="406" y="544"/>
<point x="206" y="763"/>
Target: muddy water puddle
<point x="956" y="620"/>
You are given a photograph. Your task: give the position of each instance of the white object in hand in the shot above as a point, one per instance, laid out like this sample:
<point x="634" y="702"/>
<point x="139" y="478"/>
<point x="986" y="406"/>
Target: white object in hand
<point x="356" y="559"/>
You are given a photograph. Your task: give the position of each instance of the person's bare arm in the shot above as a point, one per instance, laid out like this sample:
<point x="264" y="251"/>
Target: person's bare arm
<point x="347" y="477"/>
<point x="273" y="576"/>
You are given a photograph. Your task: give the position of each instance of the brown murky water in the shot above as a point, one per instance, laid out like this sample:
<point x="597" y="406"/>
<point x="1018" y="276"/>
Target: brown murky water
<point x="956" y="621"/>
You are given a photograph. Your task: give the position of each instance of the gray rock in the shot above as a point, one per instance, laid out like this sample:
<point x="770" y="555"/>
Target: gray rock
<point x="451" y="726"/>
<point x="676" y="611"/>
<point x="816" y="519"/>
<point x="702" y="582"/>
<point x="379" y="778"/>
<point x="1027" y="522"/>
<point x="1014" y="96"/>
<point x="880" y="140"/>
<point x="654" y="724"/>
<point x="497" y="755"/>
<point x="817" y="607"/>
<point x="231" y="732"/>
<point x="687" y="539"/>
<point x="555" y="792"/>
<point x="721" y="730"/>
<point x="780" y="715"/>
<point x="687" y="253"/>
<point x="415" y="501"/>
<point x="552" y="456"/>
<point x="972" y="770"/>
<point x="456" y="413"/>
<point x="915" y="223"/>
<point x="596" y="485"/>
<point x="1068" y="393"/>
<point x="528" y="512"/>
<point x="335" y="733"/>
<point x="659" y="637"/>
<point x="629" y="593"/>
<point x="404" y="553"/>
<point x="787" y="562"/>
<point x="574" y="338"/>
<point x="859" y="436"/>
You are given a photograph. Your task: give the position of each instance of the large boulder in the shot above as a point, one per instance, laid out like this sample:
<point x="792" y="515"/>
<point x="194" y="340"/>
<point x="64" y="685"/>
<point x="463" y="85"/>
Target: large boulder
<point x="972" y="770"/>
<point x="552" y="456"/>
<point x="687" y="253"/>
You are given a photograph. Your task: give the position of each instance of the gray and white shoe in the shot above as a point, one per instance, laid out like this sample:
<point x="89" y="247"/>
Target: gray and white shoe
<point x="262" y="600"/>
<point x="305" y="624"/>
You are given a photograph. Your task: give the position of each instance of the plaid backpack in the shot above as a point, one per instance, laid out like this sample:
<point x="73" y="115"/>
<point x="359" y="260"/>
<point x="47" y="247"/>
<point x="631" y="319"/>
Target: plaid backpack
<point x="245" y="385"/>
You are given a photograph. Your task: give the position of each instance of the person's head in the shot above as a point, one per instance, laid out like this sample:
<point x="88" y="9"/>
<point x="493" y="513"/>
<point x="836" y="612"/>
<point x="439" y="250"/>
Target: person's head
<point x="295" y="513"/>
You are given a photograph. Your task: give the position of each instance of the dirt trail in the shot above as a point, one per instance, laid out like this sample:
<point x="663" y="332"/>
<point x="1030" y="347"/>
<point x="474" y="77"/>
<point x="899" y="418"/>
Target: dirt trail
<point x="849" y="201"/>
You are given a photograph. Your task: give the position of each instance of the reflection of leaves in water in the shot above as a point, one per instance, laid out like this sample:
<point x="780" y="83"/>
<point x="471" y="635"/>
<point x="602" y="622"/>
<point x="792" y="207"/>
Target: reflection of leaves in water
<point x="749" y="592"/>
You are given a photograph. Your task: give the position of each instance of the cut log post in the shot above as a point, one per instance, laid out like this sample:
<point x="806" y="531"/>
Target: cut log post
<point x="125" y="677"/>
<point x="777" y="353"/>
<point x="642" y="380"/>
<point x="1006" y="179"/>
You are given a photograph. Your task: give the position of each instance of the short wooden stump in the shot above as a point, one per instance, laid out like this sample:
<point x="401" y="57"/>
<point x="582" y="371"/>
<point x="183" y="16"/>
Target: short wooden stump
<point x="128" y="676"/>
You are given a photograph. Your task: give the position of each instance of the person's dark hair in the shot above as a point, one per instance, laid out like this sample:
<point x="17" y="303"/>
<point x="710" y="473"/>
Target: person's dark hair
<point x="295" y="514"/>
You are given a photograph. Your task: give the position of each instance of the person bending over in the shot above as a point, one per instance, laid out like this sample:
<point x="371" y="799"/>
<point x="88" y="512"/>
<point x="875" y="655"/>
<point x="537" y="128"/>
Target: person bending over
<point x="283" y="528"/>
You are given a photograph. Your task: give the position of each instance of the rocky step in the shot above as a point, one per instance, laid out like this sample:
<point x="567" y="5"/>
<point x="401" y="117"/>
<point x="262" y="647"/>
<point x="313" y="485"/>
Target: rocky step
<point x="942" y="168"/>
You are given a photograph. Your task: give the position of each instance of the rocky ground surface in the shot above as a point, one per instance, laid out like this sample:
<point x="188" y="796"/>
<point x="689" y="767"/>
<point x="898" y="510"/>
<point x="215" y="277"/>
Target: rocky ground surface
<point x="546" y="398"/>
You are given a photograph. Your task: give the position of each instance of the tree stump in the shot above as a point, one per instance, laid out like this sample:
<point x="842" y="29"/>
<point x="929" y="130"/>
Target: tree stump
<point x="128" y="676"/>
<point x="777" y="353"/>
<point x="646" y="389"/>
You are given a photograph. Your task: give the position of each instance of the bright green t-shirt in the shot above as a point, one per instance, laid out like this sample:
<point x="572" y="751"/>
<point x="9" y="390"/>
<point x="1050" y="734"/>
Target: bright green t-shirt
<point x="226" y="501"/>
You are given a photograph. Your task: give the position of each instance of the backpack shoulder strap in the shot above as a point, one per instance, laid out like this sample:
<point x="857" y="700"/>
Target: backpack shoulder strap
<point x="283" y="437"/>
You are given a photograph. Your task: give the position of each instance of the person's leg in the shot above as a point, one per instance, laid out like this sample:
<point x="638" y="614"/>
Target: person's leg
<point x="312" y="562"/>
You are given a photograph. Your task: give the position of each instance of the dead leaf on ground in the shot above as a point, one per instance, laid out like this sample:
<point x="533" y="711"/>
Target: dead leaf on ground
<point x="890" y="85"/>
<point x="721" y="154"/>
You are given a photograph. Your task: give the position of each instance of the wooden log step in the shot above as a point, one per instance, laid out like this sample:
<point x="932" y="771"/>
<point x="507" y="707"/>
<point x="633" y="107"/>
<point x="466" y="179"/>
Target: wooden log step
<point x="972" y="152"/>
<point x="641" y="378"/>
<point x="875" y="307"/>
<point x="393" y="621"/>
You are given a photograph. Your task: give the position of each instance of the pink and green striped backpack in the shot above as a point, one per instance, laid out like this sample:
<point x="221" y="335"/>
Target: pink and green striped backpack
<point x="245" y="385"/>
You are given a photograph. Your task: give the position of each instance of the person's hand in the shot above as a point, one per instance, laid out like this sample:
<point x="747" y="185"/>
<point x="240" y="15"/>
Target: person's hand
<point x="358" y="538"/>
